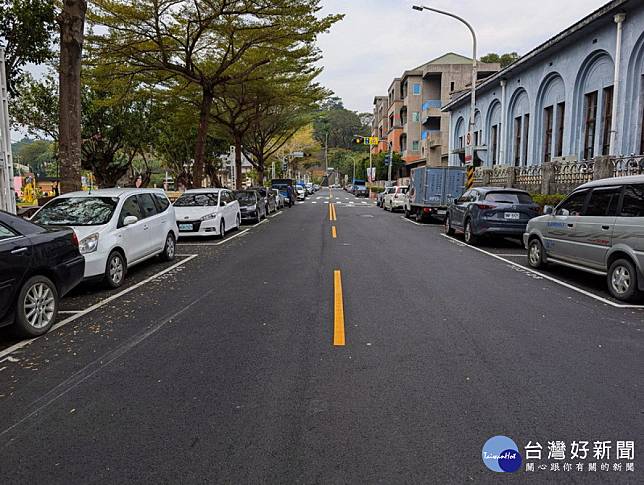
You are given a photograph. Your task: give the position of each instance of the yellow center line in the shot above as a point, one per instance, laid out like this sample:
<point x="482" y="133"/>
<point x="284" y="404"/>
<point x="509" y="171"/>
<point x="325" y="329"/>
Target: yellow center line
<point x="338" y="310"/>
<point x="334" y="234"/>
<point x="333" y="212"/>
<point x="330" y="211"/>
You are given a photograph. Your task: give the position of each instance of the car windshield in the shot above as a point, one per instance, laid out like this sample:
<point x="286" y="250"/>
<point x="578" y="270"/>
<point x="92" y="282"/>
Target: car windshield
<point x="245" y="197"/>
<point x="509" y="197"/>
<point x="197" y="200"/>
<point x="77" y="211"/>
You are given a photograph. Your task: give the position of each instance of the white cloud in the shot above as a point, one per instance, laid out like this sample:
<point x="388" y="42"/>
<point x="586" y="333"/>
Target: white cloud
<point x="379" y="39"/>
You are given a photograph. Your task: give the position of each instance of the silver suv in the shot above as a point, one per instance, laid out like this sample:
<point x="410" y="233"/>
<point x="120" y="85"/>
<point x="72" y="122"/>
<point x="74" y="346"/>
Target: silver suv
<point x="599" y="228"/>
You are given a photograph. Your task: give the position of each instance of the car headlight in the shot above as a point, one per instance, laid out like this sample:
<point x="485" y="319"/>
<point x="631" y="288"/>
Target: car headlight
<point x="252" y="208"/>
<point x="88" y="244"/>
<point x="207" y="217"/>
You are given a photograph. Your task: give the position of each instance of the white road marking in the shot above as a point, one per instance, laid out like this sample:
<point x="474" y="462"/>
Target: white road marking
<point x="510" y="255"/>
<point x="413" y="222"/>
<point x="240" y="233"/>
<point x="313" y="202"/>
<point x="278" y="213"/>
<point x="76" y="316"/>
<point x="68" y="312"/>
<point x="551" y="278"/>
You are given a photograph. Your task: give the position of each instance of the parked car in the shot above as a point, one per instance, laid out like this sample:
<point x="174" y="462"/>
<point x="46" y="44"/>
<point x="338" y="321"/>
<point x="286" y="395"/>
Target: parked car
<point x="207" y="212"/>
<point x="116" y="228"/>
<point x="360" y="191"/>
<point x="381" y="196"/>
<point x="279" y="198"/>
<point x="268" y="197"/>
<point x="309" y="188"/>
<point x="490" y="211"/>
<point x="316" y="187"/>
<point x="394" y="200"/>
<point x="38" y="266"/>
<point x="251" y="205"/>
<point x="301" y="192"/>
<point x="598" y="228"/>
<point x="286" y="191"/>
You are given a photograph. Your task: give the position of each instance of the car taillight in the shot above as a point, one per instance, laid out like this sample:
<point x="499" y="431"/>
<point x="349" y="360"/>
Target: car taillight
<point x="484" y="206"/>
<point x="74" y="239"/>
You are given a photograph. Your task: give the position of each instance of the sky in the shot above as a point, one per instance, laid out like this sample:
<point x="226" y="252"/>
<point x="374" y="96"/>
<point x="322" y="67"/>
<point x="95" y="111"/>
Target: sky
<point x="379" y="39"/>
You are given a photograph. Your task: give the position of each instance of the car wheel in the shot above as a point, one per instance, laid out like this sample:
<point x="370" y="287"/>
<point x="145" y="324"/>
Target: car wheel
<point x="170" y="248"/>
<point x="115" y="270"/>
<point x="469" y="236"/>
<point x="37" y="307"/>
<point x="222" y="229"/>
<point x="449" y="230"/>
<point x="535" y="254"/>
<point x="238" y="221"/>
<point x="622" y="280"/>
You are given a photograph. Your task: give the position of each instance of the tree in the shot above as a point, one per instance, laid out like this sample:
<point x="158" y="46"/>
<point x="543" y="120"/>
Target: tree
<point x="201" y="42"/>
<point x="504" y="59"/>
<point x="26" y="28"/>
<point x="72" y="25"/>
<point x="341" y="124"/>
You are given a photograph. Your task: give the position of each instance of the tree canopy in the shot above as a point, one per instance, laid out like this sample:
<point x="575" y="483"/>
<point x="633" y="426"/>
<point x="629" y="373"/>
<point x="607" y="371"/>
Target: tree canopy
<point x="503" y="59"/>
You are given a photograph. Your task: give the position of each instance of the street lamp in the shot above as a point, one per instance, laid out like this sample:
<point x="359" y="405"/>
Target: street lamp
<point x="469" y="153"/>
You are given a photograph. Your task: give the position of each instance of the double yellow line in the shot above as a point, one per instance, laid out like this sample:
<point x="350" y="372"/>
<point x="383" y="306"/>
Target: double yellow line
<point x="338" y="301"/>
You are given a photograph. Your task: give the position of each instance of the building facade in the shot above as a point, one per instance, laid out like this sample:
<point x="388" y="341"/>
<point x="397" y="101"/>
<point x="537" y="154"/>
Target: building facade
<point x="409" y="118"/>
<point x="578" y="96"/>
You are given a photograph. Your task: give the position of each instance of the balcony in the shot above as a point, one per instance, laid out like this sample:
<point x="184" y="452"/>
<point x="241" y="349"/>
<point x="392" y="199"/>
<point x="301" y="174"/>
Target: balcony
<point x="432" y="107"/>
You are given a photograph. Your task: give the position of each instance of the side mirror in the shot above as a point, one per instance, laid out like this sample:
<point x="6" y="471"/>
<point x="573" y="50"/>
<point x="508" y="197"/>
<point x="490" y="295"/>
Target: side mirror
<point x="564" y="212"/>
<point x="129" y="220"/>
<point x="222" y="203"/>
<point x="456" y="201"/>
<point x="548" y="209"/>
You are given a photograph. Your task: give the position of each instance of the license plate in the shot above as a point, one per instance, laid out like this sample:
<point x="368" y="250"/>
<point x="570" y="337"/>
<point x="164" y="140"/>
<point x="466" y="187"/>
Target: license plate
<point x="185" y="227"/>
<point x="441" y="212"/>
<point x="512" y="215"/>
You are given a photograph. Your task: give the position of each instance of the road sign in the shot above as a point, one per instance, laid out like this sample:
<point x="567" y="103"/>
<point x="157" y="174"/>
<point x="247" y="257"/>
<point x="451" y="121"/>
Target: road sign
<point x="469" y="149"/>
<point x="297" y="154"/>
<point x="373" y="140"/>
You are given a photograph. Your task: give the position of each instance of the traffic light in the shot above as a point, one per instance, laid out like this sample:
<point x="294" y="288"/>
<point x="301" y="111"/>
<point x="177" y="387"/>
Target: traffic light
<point x="358" y="140"/>
<point x="387" y="160"/>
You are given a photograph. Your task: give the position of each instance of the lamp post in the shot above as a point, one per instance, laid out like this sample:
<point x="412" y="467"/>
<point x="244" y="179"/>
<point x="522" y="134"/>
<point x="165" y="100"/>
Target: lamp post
<point x="469" y="148"/>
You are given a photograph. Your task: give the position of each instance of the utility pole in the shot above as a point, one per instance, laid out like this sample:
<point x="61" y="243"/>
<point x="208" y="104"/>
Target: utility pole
<point x="326" y="152"/>
<point x="391" y="162"/>
<point x="7" y="193"/>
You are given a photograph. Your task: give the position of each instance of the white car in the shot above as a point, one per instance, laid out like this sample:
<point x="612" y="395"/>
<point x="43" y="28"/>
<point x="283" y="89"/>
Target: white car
<point x="301" y="192"/>
<point x="395" y="199"/>
<point x="207" y="212"/>
<point x="116" y="228"/>
<point x="279" y="199"/>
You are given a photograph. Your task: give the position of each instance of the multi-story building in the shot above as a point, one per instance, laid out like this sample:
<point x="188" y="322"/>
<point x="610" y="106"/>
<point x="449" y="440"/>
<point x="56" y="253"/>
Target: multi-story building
<point x="410" y="118"/>
<point x="577" y="96"/>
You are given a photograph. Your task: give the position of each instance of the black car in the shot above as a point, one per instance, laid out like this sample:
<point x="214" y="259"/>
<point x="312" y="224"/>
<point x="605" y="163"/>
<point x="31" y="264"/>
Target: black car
<point x="491" y="211"/>
<point x="37" y="267"/>
<point x="251" y="205"/>
<point x="360" y="191"/>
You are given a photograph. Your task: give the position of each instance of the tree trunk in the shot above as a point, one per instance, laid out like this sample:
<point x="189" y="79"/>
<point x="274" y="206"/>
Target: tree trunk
<point x="260" y="172"/>
<point x="238" y="163"/>
<point x="72" y="25"/>
<point x="202" y="134"/>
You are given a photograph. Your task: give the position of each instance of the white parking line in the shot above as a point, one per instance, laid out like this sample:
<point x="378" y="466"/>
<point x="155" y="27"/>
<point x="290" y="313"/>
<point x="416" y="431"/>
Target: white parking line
<point x="510" y="255"/>
<point x="278" y="213"/>
<point x="413" y="222"/>
<point x="551" y="278"/>
<point x="68" y="312"/>
<point x="76" y="316"/>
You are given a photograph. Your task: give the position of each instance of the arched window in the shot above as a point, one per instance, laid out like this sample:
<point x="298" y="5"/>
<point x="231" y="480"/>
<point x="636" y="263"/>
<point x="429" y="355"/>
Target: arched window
<point x="593" y="103"/>
<point x="493" y="124"/>
<point x="459" y="140"/>
<point x="518" y="127"/>
<point x="549" y="119"/>
<point x="632" y="131"/>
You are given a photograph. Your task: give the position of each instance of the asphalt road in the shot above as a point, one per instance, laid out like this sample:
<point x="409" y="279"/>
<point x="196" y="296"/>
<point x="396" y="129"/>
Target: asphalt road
<point x="223" y="369"/>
